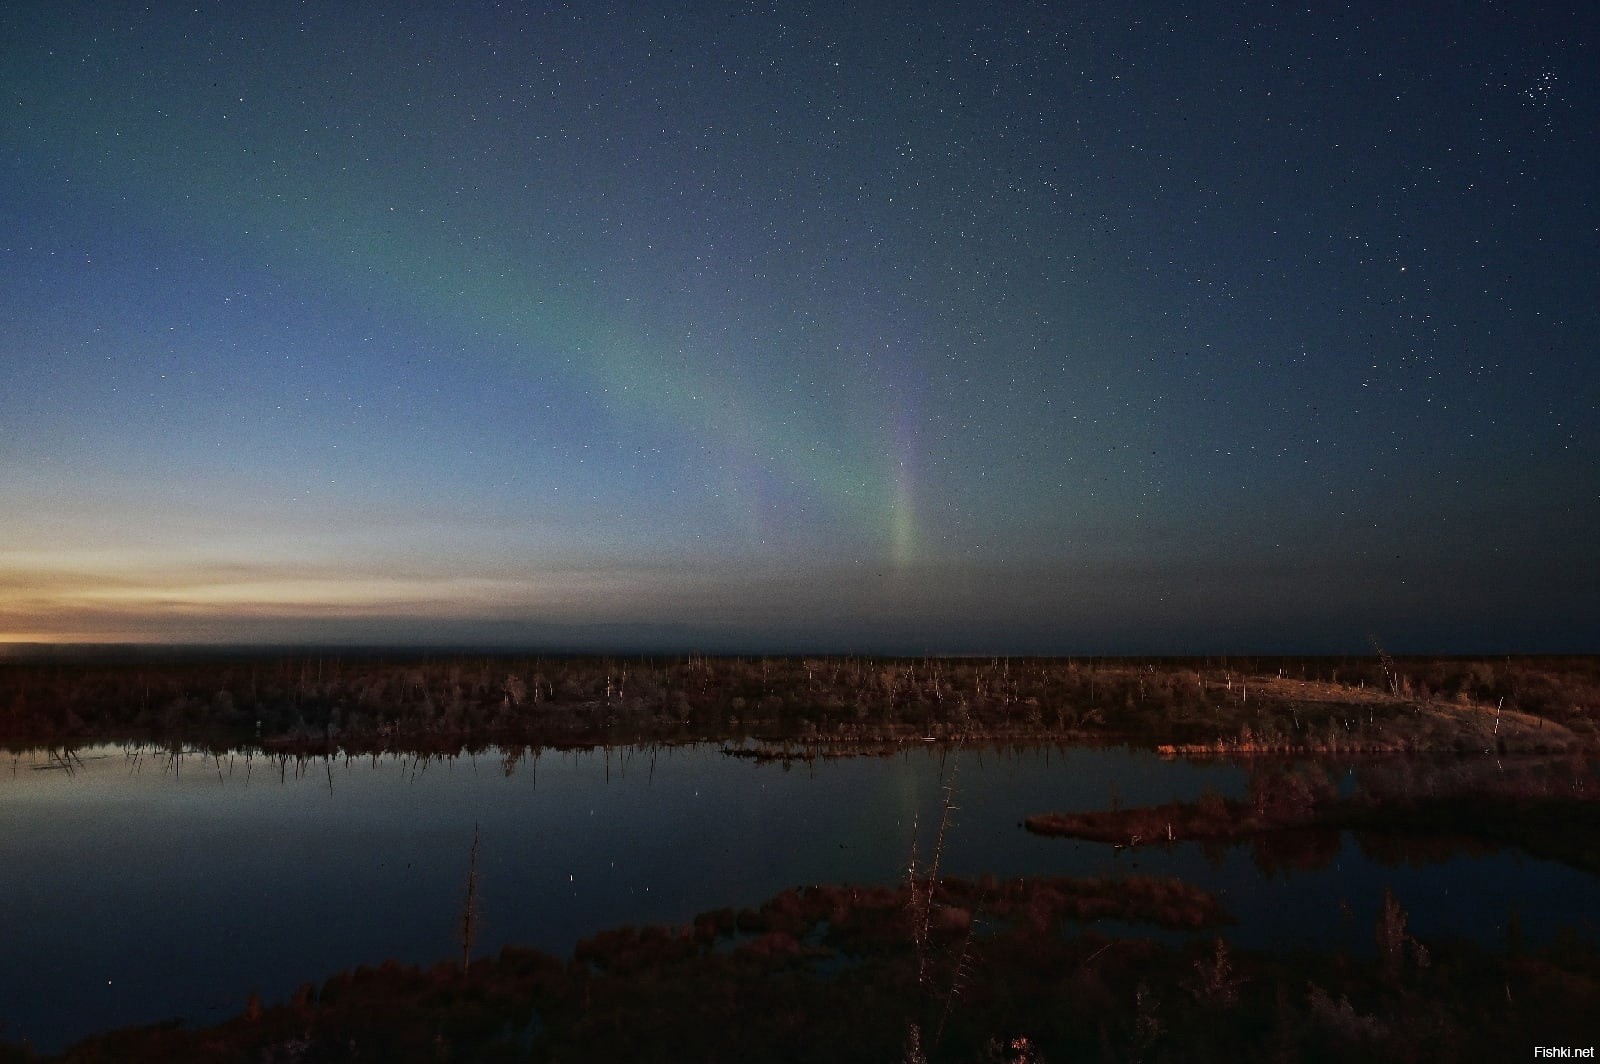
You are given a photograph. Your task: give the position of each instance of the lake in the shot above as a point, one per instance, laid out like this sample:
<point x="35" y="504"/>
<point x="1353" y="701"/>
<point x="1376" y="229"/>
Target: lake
<point x="136" y="886"/>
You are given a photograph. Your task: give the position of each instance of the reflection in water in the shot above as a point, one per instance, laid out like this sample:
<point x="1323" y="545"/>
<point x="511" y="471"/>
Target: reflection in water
<point x="144" y="883"/>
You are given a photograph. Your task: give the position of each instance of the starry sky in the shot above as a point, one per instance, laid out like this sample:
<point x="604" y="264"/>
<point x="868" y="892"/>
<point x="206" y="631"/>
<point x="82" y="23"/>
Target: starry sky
<point x="911" y="327"/>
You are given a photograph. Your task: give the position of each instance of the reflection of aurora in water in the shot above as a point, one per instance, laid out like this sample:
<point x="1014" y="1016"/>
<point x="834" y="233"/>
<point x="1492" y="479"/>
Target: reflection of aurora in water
<point x="138" y="888"/>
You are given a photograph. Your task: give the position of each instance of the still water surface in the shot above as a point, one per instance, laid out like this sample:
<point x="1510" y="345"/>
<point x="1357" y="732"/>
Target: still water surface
<point x="135" y="887"/>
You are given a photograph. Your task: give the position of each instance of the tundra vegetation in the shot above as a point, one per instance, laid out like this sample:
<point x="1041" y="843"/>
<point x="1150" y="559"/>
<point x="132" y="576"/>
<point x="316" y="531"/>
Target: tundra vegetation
<point x="1436" y="756"/>
<point x="841" y="974"/>
<point x="1293" y="816"/>
<point x="1190" y="706"/>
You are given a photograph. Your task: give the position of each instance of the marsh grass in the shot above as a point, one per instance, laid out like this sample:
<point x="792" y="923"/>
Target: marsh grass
<point x="470" y="916"/>
<point x="943" y="973"/>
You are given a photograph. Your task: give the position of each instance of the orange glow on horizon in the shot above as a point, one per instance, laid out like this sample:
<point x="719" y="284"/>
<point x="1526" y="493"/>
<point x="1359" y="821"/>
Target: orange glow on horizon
<point x="160" y="596"/>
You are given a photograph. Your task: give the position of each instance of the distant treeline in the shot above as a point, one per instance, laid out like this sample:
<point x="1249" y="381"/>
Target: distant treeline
<point x="1249" y="704"/>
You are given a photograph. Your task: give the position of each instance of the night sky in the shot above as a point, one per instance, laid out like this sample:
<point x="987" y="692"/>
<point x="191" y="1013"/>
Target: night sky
<point x="1016" y="328"/>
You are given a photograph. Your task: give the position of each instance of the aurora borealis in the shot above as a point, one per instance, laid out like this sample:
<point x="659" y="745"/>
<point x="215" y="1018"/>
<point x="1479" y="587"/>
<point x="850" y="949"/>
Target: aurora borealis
<point x="1005" y="328"/>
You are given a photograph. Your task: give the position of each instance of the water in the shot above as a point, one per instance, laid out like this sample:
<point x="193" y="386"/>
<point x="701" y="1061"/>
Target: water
<point x="135" y="887"/>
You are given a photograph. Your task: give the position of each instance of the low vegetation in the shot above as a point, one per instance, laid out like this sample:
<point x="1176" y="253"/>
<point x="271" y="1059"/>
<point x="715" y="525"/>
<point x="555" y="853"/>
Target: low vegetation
<point x="1548" y="807"/>
<point x="834" y="974"/>
<point x="1187" y="706"/>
